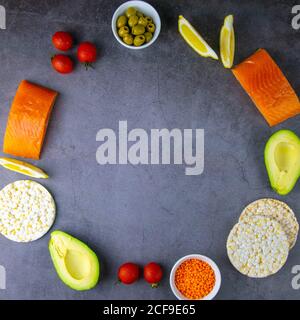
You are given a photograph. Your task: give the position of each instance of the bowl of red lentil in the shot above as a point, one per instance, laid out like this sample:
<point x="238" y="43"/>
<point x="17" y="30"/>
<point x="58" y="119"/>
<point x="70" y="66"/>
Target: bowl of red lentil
<point x="195" y="277"/>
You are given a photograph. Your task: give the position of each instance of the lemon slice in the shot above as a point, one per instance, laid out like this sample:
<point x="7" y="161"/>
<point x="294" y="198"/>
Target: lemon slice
<point x="227" y="42"/>
<point x="193" y="38"/>
<point x="23" y="168"/>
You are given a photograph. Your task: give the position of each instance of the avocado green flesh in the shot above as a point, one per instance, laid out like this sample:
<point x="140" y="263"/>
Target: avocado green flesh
<point x="75" y="263"/>
<point x="282" y="159"/>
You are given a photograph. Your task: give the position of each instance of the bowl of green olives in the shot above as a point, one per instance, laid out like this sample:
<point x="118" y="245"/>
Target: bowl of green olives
<point x="136" y="24"/>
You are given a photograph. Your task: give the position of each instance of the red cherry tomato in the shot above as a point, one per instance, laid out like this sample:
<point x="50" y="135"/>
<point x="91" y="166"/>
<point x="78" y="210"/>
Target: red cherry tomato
<point x="62" y="40"/>
<point x="153" y="273"/>
<point x="129" y="273"/>
<point x="62" y="63"/>
<point x="87" y="53"/>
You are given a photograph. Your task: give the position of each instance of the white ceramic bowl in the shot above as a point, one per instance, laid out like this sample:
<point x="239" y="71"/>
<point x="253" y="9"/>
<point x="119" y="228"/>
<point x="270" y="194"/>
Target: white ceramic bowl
<point x="216" y="288"/>
<point x="146" y="9"/>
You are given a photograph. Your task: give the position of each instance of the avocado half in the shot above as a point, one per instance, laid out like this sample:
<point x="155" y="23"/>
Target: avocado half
<point x="282" y="159"/>
<point x="75" y="263"/>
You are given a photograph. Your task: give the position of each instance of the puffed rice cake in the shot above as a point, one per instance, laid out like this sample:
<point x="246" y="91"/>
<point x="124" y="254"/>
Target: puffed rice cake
<point x="27" y="211"/>
<point x="276" y="210"/>
<point x="259" y="247"/>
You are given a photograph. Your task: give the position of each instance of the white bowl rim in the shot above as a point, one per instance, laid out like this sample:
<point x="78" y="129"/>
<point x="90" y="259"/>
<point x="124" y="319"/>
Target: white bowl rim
<point x="214" y="266"/>
<point x="123" y="7"/>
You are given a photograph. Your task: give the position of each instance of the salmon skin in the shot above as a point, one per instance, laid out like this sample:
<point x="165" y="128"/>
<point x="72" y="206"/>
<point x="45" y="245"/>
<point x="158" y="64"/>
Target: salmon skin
<point x="28" y="120"/>
<point x="267" y="86"/>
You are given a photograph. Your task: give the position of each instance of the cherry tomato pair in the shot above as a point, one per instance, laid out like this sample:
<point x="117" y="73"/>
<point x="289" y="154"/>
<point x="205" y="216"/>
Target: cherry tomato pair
<point x="86" y="52"/>
<point x="130" y="272"/>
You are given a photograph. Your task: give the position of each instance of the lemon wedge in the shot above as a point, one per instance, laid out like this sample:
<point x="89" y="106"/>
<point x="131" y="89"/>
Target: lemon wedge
<point x="193" y="38"/>
<point x="23" y="168"/>
<point x="227" y="42"/>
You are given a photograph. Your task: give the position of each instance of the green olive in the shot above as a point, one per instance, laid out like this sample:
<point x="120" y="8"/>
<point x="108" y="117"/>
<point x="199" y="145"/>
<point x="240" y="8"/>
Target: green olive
<point x="139" y="14"/>
<point x="133" y="20"/>
<point x="121" y="22"/>
<point x="148" y="36"/>
<point x="139" y="40"/>
<point x="138" y="30"/>
<point x="143" y="21"/>
<point x="128" y="39"/>
<point x="130" y="12"/>
<point x="149" y="20"/>
<point x="151" y="27"/>
<point x="122" y="31"/>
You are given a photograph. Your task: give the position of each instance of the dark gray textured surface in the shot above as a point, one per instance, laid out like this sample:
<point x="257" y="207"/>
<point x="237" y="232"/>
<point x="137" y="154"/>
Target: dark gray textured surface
<point x="146" y="213"/>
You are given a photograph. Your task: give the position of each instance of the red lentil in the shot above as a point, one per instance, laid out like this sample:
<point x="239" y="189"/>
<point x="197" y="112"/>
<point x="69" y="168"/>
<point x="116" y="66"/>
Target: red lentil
<point x="195" y="279"/>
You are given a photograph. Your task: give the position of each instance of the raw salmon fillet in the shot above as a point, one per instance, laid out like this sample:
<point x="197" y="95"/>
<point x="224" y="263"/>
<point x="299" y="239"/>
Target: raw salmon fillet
<point x="267" y="86"/>
<point x="28" y="120"/>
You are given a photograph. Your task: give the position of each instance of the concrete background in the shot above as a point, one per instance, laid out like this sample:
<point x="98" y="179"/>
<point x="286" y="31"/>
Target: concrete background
<point x="146" y="213"/>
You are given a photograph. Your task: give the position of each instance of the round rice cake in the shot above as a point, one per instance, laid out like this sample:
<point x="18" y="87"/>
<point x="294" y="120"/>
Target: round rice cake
<point x="27" y="211"/>
<point x="276" y="210"/>
<point x="258" y="248"/>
